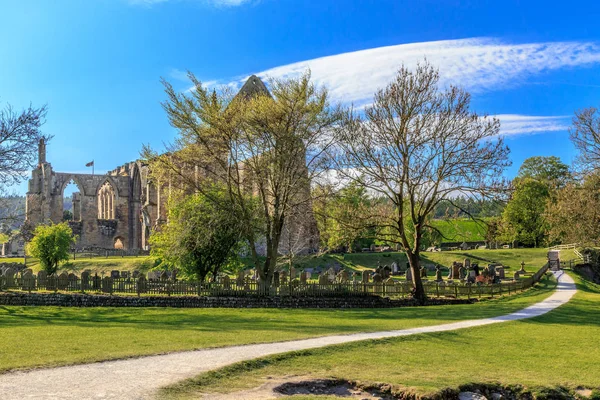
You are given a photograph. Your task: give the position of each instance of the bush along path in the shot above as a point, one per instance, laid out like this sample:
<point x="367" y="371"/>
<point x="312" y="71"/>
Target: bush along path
<point x="142" y="377"/>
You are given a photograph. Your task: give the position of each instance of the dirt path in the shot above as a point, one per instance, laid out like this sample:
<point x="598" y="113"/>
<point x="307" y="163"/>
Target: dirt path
<point x="139" y="378"/>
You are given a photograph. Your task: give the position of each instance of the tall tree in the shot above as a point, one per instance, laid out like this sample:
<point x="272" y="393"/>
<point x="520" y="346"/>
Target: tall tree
<point x="51" y="244"/>
<point x="201" y="235"/>
<point x="524" y="215"/>
<point x="264" y="147"/>
<point x="574" y="216"/>
<point x="549" y="170"/>
<point x="418" y="145"/>
<point x="585" y="135"/>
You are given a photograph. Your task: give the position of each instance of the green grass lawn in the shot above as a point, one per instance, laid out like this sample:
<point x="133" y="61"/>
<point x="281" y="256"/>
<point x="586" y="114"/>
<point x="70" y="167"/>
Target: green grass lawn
<point x="99" y="265"/>
<point x="558" y="348"/>
<point x="460" y="229"/>
<point x="50" y="336"/>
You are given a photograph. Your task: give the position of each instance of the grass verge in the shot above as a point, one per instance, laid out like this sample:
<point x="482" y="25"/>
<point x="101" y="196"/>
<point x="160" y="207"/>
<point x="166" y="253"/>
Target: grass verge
<point x="560" y="348"/>
<point x="52" y="336"/>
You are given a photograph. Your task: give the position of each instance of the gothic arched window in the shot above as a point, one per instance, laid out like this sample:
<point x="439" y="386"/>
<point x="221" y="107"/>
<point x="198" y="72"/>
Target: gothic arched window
<point x="106" y="201"/>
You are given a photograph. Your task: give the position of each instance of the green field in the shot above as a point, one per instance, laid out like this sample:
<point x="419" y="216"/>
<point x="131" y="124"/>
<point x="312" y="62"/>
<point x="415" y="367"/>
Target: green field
<point x="60" y="336"/>
<point x="100" y="265"/>
<point x="561" y="348"/>
<point x="460" y="230"/>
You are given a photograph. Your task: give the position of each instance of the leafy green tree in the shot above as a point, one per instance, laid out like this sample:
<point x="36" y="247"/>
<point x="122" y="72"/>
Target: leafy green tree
<point x="51" y="244"/>
<point x="549" y="170"/>
<point x="524" y="215"/>
<point x="574" y="215"/>
<point x="201" y="235"/>
<point x="266" y="148"/>
<point x="348" y="227"/>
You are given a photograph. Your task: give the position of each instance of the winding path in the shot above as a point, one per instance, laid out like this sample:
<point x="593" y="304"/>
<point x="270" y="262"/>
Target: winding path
<point x="139" y="378"/>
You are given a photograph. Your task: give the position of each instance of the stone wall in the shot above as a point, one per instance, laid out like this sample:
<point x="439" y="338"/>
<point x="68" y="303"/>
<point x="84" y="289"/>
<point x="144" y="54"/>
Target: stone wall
<point x="84" y="300"/>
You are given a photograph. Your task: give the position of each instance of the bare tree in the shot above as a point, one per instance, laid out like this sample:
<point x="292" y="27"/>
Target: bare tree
<point x="19" y="137"/>
<point x="264" y="147"/>
<point x="418" y="145"/>
<point x="585" y="135"/>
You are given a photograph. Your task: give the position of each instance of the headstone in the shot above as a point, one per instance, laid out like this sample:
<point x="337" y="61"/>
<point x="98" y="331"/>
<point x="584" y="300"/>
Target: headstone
<point x="395" y="268"/>
<point x="124" y="274"/>
<point x="438" y="274"/>
<point x="106" y="284"/>
<point x="492" y="270"/>
<point x="323" y="279"/>
<point x="522" y="270"/>
<point x="500" y="272"/>
<point x="386" y="271"/>
<point x="343" y="276"/>
<point x="365" y="276"/>
<point x="142" y="285"/>
<point x="136" y="274"/>
<point x="475" y="267"/>
<point x="304" y="276"/>
<point x="241" y="277"/>
<point x="409" y="274"/>
<point x="42" y="277"/>
<point x="455" y="273"/>
<point x="377" y="278"/>
<point x="331" y="274"/>
<point x="467" y="263"/>
<point x="164" y="276"/>
<point x="63" y="281"/>
<point x="516" y="276"/>
<point x="423" y="272"/>
<point x="85" y="280"/>
<point x="462" y="273"/>
<point x="9" y="275"/>
<point x="115" y="274"/>
<point x="276" y="279"/>
<point x="292" y="273"/>
<point x="226" y="281"/>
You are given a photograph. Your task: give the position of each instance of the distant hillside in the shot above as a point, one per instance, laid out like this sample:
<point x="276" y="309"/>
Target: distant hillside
<point x="460" y="230"/>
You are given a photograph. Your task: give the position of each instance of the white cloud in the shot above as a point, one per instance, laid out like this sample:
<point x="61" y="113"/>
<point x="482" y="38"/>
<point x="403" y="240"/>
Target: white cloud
<point x="216" y="3"/>
<point x="477" y="64"/>
<point x="514" y="124"/>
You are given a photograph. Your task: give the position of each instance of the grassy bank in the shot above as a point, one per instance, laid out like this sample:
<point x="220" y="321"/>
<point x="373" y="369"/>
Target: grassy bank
<point x="60" y="336"/>
<point x="558" y="348"/>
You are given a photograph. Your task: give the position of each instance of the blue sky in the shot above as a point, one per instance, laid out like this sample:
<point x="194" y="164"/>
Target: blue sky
<point x="98" y="63"/>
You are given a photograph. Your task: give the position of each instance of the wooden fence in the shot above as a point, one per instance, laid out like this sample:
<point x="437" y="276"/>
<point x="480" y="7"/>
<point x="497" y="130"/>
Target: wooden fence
<point x="140" y="287"/>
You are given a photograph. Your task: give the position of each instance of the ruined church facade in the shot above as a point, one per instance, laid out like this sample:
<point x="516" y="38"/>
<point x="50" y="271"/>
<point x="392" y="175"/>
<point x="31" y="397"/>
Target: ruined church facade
<point x="114" y="210"/>
<point x="119" y="210"/>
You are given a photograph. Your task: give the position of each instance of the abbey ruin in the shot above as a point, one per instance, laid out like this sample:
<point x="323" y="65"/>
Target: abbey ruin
<point x="119" y="209"/>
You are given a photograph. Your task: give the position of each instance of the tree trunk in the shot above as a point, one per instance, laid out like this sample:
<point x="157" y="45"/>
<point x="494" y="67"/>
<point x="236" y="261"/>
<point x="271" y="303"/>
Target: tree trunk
<point x="419" y="291"/>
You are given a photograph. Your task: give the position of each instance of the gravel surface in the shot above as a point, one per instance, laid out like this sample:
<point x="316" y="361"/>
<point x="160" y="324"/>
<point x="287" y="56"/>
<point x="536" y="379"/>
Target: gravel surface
<point x="139" y="378"/>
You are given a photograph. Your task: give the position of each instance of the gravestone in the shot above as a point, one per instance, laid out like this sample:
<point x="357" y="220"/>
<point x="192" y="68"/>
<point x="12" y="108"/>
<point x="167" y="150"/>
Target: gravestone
<point x="292" y="273"/>
<point x="303" y="277"/>
<point x="164" y="276"/>
<point x="438" y="274"/>
<point x="27" y="280"/>
<point x="42" y="278"/>
<point x="323" y="279"/>
<point x="331" y="274"/>
<point x="107" y="284"/>
<point x="85" y="279"/>
<point x="63" y="281"/>
<point x="136" y="274"/>
<point x="115" y="274"/>
<point x="500" y="272"/>
<point x="241" y="277"/>
<point x="516" y="276"/>
<point x="226" y="281"/>
<point x="467" y="263"/>
<point x="386" y="272"/>
<point x="462" y="273"/>
<point x="377" y="278"/>
<point x="365" y="276"/>
<point x="276" y="279"/>
<point x="423" y="272"/>
<point x="9" y="277"/>
<point x="142" y="284"/>
<point x="96" y="282"/>
<point x="124" y="274"/>
<point x="409" y="274"/>
<point x="343" y="276"/>
<point x="395" y="268"/>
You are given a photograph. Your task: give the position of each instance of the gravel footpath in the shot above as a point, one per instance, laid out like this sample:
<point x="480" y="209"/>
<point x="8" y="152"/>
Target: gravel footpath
<point x="139" y="378"/>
